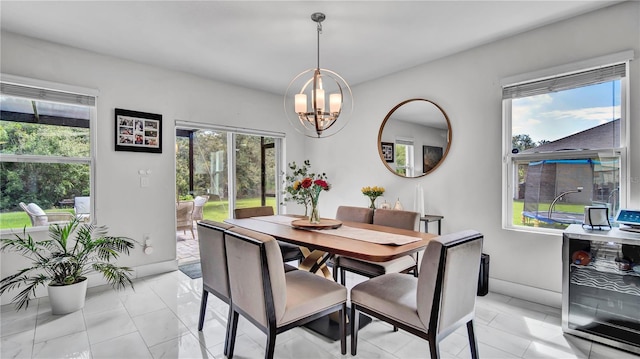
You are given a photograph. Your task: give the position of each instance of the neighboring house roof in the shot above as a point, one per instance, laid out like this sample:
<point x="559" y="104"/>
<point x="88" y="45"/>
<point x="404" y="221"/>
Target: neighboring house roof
<point x="606" y="135"/>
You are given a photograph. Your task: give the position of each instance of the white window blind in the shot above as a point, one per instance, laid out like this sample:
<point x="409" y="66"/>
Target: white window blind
<point x="565" y="82"/>
<point x="47" y="94"/>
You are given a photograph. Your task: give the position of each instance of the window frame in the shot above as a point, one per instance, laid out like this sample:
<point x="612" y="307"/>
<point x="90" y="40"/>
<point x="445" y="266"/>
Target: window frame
<point x="510" y="160"/>
<point x="53" y="88"/>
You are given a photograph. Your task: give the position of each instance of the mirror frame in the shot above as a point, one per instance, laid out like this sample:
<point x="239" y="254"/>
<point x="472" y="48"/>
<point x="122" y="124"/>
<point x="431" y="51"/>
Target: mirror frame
<point x="388" y="116"/>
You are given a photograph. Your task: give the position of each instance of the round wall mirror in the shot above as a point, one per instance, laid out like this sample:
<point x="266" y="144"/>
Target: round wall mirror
<point x="414" y="138"/>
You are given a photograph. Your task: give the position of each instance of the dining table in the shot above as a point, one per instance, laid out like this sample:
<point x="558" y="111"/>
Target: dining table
<point x="365" y="241"/>
<point x="320" y="243"/>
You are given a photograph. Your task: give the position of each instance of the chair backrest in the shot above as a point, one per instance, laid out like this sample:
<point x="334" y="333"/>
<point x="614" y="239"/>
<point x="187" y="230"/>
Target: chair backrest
<point x="213" y="258"/>
<point x="253" y="212"/>
<point x="448" y="281"/>
<point x="397" y="219"/>
<point x="184" y="211"/>
<point x="37" y="216"/>
<point x="81" y="205"/>
<point x="256" y="275"/>
<point x="355" y="214"/>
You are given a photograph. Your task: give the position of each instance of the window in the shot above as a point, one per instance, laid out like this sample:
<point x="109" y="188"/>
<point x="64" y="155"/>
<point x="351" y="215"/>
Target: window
<point x="564" y="142"/>
<point x="45" y="142"/>
<point x="404" y="157"/>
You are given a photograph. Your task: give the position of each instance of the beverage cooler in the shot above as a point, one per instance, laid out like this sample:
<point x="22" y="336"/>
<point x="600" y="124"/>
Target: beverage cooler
<point x="601" y="286"/>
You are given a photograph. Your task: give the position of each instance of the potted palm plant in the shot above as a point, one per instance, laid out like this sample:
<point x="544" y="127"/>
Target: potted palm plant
<point x="62" y="264"/>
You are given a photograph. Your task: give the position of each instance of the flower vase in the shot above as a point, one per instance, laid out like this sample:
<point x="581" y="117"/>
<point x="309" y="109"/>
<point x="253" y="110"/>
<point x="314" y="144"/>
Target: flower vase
<point x="373" y="202"/>
<point x="314" y="217"/>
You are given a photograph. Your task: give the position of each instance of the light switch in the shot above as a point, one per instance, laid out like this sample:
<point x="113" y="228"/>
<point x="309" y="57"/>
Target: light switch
<point x="144" y="181"/>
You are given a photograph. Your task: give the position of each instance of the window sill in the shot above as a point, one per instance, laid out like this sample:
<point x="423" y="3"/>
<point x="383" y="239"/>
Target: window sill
<point x="541" y="231"/>
<point x="12" y="231"/>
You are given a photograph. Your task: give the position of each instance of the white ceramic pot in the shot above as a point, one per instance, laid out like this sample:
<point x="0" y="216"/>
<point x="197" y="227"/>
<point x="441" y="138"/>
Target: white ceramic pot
<point x="67" y="298"/>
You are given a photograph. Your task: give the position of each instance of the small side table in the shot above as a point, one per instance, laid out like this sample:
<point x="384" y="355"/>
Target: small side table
<point x="432" y="218"/>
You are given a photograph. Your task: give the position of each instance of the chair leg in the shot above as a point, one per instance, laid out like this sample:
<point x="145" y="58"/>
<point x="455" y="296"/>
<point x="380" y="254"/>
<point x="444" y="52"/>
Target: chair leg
<point x="271" y="344"/>
<point x="233" y="326"/>
<point x="203" y="308"/>
<point x="433" y="347"/>
<point x="473" y="343"/>
<point x="343" y="277"/>
<point x="343" y="329"/>
<point x="355" y="324"/>
<point x="227" y="336"/>
<point x="335" y="273"/>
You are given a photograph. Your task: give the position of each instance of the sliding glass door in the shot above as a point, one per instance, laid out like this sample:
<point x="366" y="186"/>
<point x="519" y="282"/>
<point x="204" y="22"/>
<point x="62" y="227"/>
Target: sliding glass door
<point x="235" y="169"/>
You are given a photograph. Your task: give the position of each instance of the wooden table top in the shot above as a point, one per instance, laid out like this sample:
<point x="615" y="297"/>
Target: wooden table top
<point x="327" y="242"/>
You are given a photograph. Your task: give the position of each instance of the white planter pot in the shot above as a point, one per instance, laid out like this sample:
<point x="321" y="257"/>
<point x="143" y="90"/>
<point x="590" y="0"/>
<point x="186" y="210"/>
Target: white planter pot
<point x="67" y="298"/>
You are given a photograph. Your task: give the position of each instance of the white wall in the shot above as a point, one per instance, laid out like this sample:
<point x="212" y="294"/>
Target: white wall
<point x="467" y="188"/>
<point x="121" y="204"/>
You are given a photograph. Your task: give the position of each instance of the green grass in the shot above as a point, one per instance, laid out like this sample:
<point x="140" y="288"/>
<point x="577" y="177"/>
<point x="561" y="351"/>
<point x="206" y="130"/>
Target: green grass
<point x="213" y="210"/>
<point x="20" y="219"/>
<point x="518" y="207"/>
<point x="218" y="210"/>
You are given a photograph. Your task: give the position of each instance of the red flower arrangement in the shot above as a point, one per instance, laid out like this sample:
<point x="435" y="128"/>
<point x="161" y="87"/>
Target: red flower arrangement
<point x="314" y="187"/>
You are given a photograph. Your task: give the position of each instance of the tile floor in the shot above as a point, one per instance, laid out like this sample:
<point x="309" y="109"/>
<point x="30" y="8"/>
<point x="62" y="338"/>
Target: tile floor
<point x="187" y="250"/>
<point x="159" y="320"/>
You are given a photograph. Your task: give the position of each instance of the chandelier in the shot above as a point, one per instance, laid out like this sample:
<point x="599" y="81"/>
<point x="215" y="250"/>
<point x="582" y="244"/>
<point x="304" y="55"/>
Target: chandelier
<point x="306" y="95"/>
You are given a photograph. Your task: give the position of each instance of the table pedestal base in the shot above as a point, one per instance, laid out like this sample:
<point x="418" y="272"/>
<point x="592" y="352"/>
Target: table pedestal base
<point x="331" y="329"/>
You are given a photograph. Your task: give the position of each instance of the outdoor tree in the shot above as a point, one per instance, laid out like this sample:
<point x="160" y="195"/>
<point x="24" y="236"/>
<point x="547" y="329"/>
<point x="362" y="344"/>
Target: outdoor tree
<point x="522" y="142"/>
<point x="42" y="183"/>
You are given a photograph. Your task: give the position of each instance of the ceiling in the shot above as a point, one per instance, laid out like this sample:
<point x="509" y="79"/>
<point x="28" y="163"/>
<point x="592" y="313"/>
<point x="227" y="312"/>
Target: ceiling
<point x="265" y="44"/>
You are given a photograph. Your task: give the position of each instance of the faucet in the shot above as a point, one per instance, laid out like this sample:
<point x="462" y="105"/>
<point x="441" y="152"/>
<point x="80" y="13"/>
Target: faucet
<point x="578" y="189"/>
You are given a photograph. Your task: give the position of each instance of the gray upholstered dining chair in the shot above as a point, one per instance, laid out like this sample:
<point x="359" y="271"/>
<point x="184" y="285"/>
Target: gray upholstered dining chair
<point x="350" y="214"/>
<point x="269" y="298"/>
<point x="213" y="262"/>
<point x="290" y="252"/>
<point x="435" y="304"/>
<point x="384" y="217"/>
<point x="355" y="214"/>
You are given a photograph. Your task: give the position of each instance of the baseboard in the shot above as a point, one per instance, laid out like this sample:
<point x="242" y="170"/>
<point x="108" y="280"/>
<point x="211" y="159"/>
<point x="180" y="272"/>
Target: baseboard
<point x="532" y="294"/>
<point x="156" y="268"/>
<point x="96" y="279"/>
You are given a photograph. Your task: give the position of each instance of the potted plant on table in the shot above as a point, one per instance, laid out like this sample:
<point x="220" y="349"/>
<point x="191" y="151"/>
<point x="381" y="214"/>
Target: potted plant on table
<point x="62" y="264"/>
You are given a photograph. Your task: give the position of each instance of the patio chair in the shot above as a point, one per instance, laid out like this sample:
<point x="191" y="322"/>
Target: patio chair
<point x="39" y="217"/>
<point x="184" y="213"/>
<point x="198" y="206"/>
<point x="82" y="208"/>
